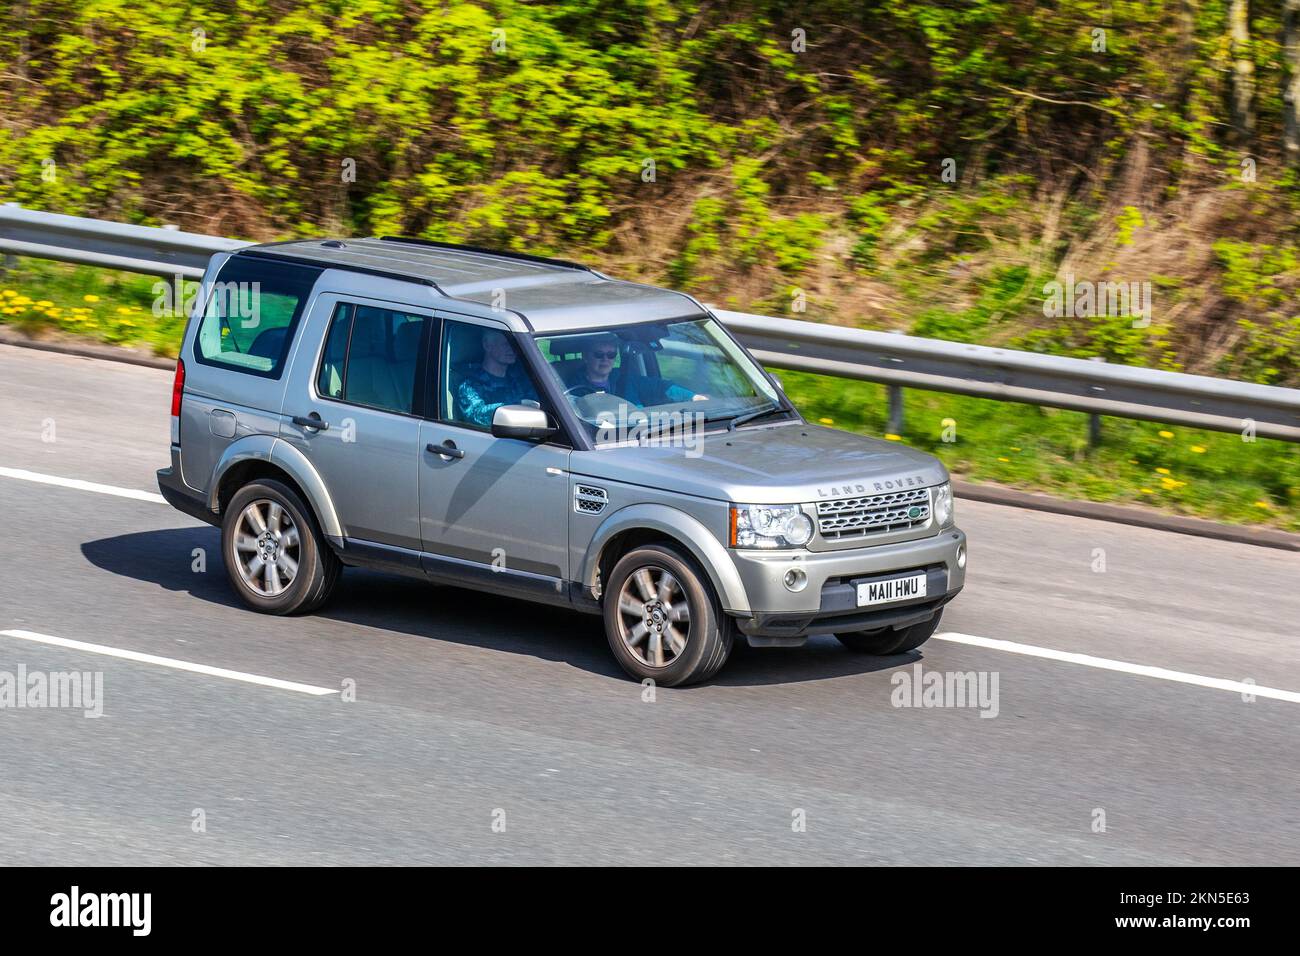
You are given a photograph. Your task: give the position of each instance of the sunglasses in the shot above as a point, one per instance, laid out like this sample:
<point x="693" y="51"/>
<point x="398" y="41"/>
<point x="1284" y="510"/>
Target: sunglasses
<point x="603" y="354"/>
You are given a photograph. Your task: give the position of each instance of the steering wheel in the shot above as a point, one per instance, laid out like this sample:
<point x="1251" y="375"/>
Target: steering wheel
<point x="581" y="391"/>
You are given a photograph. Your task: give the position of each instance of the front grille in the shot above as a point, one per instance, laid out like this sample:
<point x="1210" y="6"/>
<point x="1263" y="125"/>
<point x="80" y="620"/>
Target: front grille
<point x="873" y="514"/>
<point x="589" y="500"/>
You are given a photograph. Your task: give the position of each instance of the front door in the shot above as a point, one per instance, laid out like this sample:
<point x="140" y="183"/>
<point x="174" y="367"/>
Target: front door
<point x="490" y="506"/>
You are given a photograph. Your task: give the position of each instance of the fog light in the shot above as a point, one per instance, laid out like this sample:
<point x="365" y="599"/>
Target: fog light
<point x="961" y="556"/>
<point x="795" y="580"/>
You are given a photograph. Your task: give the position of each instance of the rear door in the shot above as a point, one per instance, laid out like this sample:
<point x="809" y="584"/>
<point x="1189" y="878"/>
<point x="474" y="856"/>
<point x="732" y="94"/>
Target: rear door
<point x="353" y="409"/>
<point x="501" y="506"/>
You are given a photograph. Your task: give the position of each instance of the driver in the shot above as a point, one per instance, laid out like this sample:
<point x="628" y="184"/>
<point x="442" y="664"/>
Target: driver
<point x="494" y="382"/>
<point x="598" y="374"/>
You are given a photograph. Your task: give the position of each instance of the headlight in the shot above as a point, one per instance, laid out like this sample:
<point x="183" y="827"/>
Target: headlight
<point x="943" y="504"/>
<point x="769" y="526"/>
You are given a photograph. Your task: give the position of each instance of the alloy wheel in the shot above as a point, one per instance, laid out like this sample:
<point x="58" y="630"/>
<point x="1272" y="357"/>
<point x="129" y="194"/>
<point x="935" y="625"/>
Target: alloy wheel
<point x="268" y="547"/>
<point x="654" y="616"/>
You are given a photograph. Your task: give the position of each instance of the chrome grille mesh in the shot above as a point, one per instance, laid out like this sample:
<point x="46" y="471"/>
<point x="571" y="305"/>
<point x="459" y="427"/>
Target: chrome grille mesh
<point x="871" y="514"/>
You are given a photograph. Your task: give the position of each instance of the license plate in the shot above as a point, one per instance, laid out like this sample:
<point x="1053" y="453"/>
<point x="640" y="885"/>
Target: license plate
<point x="895" y="589"/>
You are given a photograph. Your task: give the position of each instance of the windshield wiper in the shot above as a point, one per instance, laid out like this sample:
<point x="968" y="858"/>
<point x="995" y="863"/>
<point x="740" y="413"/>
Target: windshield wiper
<point x="732" y="421"/>
<point x="739" y="420"/>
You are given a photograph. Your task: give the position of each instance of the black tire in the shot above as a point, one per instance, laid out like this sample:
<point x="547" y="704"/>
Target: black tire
<point x="317" y="567"/>
<point x="890" y="641"/>
<point x="707" y="640"/>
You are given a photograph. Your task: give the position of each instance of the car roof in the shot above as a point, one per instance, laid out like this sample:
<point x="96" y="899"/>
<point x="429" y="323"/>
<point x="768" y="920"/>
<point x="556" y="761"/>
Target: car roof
<point x="551" y="295"/>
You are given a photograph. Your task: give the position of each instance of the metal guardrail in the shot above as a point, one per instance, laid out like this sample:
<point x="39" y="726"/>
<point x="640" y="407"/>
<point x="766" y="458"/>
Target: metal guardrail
<point x="110" y="245"/>
<point x="1008" y="375"/>
<point x="892" y="359"/>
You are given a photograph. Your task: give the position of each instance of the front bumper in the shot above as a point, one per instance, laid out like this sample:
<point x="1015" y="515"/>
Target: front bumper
<point x="829" y="600"/>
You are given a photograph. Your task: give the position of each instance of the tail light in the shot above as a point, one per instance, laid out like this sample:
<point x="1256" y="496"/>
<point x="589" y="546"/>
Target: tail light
<point x="178" y="389"/>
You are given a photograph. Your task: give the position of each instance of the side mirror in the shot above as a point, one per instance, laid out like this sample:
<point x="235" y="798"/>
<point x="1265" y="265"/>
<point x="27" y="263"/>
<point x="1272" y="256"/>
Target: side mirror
<point x="521" y="421"/>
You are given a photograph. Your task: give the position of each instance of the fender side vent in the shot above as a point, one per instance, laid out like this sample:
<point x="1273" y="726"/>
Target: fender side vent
<point x="589" y="500"/>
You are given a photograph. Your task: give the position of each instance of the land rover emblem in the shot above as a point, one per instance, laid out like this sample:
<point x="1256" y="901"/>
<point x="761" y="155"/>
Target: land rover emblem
<point x="914" y="512"/>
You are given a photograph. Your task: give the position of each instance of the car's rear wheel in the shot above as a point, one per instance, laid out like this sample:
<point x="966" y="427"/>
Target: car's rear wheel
<point x="662" y="618"/>
<point x="890" y="641"/>
<point x="276" y="558"/>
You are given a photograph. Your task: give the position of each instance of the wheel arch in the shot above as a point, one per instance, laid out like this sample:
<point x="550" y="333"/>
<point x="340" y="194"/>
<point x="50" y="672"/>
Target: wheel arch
<point x="264" y="456"/>
<point x="642" y="524"/>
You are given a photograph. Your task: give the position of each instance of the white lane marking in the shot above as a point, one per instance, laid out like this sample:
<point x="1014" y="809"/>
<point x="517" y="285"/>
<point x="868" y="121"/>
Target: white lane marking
<point x="168" y="662"/>
<point x="80" y="485"/>
<point x="1105" y="663"/>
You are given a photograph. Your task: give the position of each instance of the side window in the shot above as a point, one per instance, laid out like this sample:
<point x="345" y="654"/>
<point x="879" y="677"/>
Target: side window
<point x="481" y="370"/>
<point x="251" y="313"/>
<point x="370" y="357"/>
<point x="329" y="382"/>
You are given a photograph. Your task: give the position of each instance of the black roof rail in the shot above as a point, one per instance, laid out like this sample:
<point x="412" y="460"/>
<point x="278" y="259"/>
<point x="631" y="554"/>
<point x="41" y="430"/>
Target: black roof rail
<point x="522" y="256"/>
<point x="256" y="252"/>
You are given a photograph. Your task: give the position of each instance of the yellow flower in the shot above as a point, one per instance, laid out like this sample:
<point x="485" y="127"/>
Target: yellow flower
<point x="1004" y="459"/>
<point x="9" y="293"/>
<point x="90" y="298"/>
<point x="1162" y="471"/>
<point x="1146" y="491"/>
<point x="1015" y="449"/>
<point x="827" y="421"/>
<point x="44" y="304"/>
<point x="1165" y="434"/>
<point x="22" y="300"/>
<point x="893" y="438"/>
<point x="1198" y="449"/>
<point x="122" y="310"/>
<point x="1170" y="484"/>
<point x="1262" y="504"/>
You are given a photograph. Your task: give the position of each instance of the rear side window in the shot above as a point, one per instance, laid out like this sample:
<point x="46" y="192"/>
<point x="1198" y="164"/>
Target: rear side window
<point x="371" y="357"/>
<point x="251" y="313"/>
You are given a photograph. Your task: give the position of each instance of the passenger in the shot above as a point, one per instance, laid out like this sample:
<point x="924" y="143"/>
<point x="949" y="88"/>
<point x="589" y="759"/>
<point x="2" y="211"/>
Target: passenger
<point x="494" y="382"/>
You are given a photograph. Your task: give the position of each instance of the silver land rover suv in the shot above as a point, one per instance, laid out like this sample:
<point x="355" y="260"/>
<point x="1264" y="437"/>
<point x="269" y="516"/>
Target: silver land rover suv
<point x="530" y="427"/>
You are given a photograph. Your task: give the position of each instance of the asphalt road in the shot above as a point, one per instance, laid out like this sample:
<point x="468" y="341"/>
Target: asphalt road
<point x="491" y="731"/>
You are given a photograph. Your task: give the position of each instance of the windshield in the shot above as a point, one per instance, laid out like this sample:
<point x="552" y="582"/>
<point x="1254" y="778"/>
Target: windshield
<point x="656" y="376"/>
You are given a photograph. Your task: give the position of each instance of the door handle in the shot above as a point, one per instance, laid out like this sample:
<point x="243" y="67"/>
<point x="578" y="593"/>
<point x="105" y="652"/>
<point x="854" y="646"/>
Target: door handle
<point x="311" y="421"/>
<point x="448" y="450"/>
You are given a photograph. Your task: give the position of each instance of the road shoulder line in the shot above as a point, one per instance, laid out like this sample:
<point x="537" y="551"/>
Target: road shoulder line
<point x="171" y="662"/>
<point x="1124" y="667"/>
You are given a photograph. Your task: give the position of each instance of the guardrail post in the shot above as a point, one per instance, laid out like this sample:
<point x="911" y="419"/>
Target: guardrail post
<point x="1094" y="420"/>
<point x="895" y="426"/>
<point x="8" y="262"/>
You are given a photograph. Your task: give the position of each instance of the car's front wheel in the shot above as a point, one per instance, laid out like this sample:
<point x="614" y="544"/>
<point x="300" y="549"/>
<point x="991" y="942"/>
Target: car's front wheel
<point x="276" y="559"/>
<point x="662" y="618"/>
<point x="890" y="641"/>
